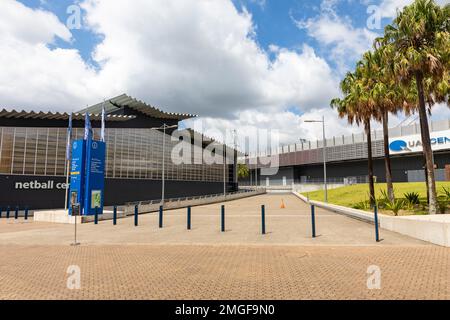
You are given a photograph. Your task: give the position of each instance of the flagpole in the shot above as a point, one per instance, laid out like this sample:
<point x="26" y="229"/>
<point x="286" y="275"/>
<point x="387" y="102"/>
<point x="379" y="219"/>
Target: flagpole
<point x="67" y="184"/>
<point x="69" y="141"/>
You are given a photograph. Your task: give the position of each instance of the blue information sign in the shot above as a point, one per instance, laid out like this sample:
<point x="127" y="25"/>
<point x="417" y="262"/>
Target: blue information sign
<point x="77" y="174"/>
<point x="95" y="177"/>
<point x="87" y="176"/>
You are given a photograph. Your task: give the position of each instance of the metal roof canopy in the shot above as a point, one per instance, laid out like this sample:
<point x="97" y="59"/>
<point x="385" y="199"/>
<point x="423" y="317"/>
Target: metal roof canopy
<point x="125" y="101"/>
<point x="197" y="136"/>
<point x="14" y="114"/>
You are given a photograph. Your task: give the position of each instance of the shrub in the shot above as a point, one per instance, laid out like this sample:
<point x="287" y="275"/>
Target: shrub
<point x="395" y="206"/>
<point x="442" y="205"/>
<point x="412" y="198"/>
<point x="363" y="205"/>
<point x="384" y="198"/>
<point x="446" y="193"/>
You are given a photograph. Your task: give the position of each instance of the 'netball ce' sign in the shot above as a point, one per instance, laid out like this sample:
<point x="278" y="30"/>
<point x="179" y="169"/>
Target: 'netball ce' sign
<point x="439" y="141"/>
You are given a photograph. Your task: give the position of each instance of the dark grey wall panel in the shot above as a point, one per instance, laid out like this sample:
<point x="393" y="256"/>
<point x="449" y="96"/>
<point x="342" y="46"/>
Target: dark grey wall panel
<point x="45" y="195"/>
<point x="400" y="166"/>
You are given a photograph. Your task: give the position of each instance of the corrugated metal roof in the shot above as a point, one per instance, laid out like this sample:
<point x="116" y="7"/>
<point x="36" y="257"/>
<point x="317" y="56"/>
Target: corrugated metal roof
<point x="14" y="114"/>
<point x="124" y="100"/>
<point x="208" y="140"/>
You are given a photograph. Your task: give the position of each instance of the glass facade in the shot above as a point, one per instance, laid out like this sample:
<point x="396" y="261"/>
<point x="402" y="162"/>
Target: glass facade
<point x="131" y="154"/>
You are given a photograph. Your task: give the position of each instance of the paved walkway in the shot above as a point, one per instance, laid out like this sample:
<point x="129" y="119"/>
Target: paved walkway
<point x="125" y="262"/>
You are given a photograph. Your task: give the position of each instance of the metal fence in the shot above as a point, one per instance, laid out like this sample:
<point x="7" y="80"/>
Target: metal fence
<point x="419" y="175"/>
<point x="175" y="203"/>
<point x="343" y="180"/>
<point x="377" y="135"/>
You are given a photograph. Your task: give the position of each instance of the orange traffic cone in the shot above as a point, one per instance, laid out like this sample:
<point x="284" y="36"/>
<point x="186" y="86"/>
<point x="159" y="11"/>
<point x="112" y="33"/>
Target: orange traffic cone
<point x="282" y="205"/>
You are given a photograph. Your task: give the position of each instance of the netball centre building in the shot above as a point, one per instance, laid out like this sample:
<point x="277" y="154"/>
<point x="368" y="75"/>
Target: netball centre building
<point x="33" y="162"/>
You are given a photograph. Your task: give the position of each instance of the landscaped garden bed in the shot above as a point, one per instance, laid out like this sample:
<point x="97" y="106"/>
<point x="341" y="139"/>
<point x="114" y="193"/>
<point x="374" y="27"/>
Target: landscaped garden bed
<point x="411" y="198"/>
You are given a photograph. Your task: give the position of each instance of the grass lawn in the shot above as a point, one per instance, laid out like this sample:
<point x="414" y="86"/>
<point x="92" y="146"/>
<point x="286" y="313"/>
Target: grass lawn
<point x="351" y="195"/>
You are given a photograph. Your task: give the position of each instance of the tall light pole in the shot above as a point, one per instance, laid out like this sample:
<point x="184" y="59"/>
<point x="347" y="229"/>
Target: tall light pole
<point x="235" y="161"/>
<point x="324" y="154"/>
<point x="224" y="170"/>
<point x="164" y="127"/>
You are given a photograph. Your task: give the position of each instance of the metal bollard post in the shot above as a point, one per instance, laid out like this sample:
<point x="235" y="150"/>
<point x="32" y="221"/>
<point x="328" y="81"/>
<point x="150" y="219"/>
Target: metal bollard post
<point x="96" y="215"/>
<point x="1" y="212"/>
<point x="26" y="213"/>
<point x="263" y="219"/>
<point x="136" y="214"/>
<point x="377" y="231"/>
<point x="189" y="218"/>
<point x="223" y="219"/>
<point x="16" y="213"/>
<point x="8" y="212"/>
<point x="161" y="212"/>
<point x="115" y="216"/>
<point x="313" y="220"/>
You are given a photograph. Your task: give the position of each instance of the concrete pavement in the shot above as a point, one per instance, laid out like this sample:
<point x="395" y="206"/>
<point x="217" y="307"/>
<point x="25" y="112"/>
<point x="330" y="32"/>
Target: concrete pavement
<point x="125" y="262"/>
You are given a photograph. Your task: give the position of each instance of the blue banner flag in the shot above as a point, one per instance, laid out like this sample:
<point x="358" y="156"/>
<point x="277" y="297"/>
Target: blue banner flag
<point x="87" y="127"/>
<point x="69" y="138"/>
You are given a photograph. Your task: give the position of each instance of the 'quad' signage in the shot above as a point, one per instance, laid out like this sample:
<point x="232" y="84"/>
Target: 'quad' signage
<point x="439" y="141"/>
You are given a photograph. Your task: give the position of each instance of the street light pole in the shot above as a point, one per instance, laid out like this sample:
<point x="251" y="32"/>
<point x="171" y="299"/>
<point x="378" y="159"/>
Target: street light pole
<point x="163" y="184"/>
<point x="324" y="155"/>
<point x="325" y="159"/>
<point x="163" y="165"/>
<point x="224" y="170"/>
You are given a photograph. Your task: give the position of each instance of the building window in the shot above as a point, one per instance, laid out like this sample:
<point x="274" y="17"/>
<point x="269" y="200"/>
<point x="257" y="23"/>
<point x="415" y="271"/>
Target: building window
<point x="131" y="154"/>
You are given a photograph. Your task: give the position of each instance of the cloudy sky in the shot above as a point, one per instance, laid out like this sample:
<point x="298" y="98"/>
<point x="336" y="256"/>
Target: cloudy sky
<point x="239" y="64"/>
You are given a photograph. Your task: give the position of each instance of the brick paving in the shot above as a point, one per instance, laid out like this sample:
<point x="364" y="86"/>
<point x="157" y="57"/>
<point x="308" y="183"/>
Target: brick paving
<point x="124" y="262"/>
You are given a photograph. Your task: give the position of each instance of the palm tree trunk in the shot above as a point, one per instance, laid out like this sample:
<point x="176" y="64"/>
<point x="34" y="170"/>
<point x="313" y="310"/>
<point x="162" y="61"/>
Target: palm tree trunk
<point x="370" y="164"/>
<point x="425" y="170"/>
<point x="426" y="142"/>
<point x="387" y="157"/>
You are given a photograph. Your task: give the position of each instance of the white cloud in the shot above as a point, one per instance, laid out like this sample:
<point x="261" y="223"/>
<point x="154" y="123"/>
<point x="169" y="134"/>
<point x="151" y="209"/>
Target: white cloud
<point x="20" y="23"/>
<point x="344" y="42"/>
<point x="33" y="75"/>
<point x="389" y="8"/>
<point x="192" y="56"/>
<point x="200" y="56"/>
<point x="288" y="126"/>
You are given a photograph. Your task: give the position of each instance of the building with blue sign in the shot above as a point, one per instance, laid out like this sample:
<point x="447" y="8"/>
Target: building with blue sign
<point x="33" y="162"/>
<point x="347" y="158"/>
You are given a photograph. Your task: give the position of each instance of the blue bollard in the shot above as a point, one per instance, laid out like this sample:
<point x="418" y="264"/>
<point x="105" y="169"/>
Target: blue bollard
<point x="263" y="219"/>
<point x="16" y="213"/>
<point x="26" y="213"/>
<point x="189" y="218"/>
<point x="136" y="215"/>
<point x="8" y="212"/>
<point x="115" y="216"/>
<point x="313" y="220"/>
<point x="161" y="213"/>
<point x="377" y="231"/>
<point x="223" y="219"/>
<point x="96" y="215"/>
<point x="1" y="212"/>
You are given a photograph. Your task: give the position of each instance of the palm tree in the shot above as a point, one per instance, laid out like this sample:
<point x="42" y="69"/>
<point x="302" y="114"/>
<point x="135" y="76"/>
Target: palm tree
<point x="358" y="107"/>
<point x="386" y="96"/>
<point x="420" y="36"/>
<point x="389" y="97"/>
